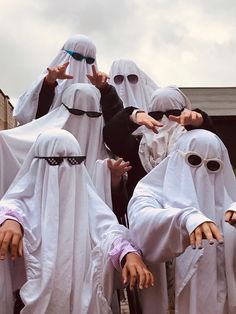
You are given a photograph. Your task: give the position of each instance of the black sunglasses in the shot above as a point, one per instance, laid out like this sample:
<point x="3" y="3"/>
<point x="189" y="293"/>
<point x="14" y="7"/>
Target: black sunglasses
<point x="79" y="57"/>
<point x="159" y="114"/>
<point x="132" y="78"/>
<point x="79" y="112"/>
<point x="56" y="161"/>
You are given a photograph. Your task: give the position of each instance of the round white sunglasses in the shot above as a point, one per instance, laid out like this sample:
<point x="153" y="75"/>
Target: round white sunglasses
<point x="195" y="160"/>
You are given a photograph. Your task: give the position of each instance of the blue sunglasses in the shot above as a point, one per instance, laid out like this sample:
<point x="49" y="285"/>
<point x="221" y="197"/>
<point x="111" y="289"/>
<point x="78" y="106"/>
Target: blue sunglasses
<point x="79" y="57"/>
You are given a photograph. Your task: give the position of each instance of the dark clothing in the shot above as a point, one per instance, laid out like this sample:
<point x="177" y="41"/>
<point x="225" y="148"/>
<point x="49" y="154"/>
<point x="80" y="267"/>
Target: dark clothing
<point x="117" y="134"/>
<point x="110" y="102"/>
<point x="46" y="96"/>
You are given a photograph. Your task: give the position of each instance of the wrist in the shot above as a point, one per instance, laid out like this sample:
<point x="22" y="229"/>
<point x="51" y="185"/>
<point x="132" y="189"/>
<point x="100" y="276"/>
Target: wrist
<point x="133" y="116"/>
<point x="102" y="87"/>
<point x="49" y="80"/>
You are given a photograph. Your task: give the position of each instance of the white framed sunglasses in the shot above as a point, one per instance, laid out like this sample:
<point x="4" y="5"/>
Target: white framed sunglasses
<point x="195" y="160"/>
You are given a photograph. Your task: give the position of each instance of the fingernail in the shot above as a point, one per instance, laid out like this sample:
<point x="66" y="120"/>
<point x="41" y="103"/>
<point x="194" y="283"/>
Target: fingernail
<point x="199" y="247"/>
<point x="221" y="241"/>
<point x="193" y="246"/>
<point x="211" y="242"/>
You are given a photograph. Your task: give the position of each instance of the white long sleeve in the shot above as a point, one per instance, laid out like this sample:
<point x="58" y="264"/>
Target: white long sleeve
<point x="161" y="233"/>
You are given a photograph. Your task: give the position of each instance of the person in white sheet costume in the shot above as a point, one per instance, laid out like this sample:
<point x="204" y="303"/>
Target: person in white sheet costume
<point x="16" y="143"/>
<point x="132" y="85"/>
<point x="70" y="235"/>
<point x="193" y="185"/>
<point x="165" y="102"/>
<point x="77" y="69"/>
<point x="145" y="141"/>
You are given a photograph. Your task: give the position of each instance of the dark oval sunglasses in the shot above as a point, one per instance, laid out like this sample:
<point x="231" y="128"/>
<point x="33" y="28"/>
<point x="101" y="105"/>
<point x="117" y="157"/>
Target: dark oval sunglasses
<point x="56" y="161"/>
<point x="159" y="114"/>
<point x="132" y="78"/>
<point x="79" y="57"/>
<point x="79" y="112"/>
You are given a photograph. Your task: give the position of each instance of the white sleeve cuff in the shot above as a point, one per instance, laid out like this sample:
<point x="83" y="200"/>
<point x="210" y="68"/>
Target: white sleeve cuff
<point x="133" y="116"/>
<point x="232" y="207"/>
<point x="194" y="220"/>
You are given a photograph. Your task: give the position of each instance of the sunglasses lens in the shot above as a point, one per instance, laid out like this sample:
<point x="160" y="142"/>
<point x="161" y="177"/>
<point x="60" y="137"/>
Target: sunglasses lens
<point x="90" y="60"/>
<point x="173" y="112"/>
<point x="132" y="78"/>
<point x="118" y="79"/>
<point x="77" y="112"/>
<point x="213" y="165"/>
<point x="93" y="114"/>
<point x="77" y="56"/>
<point x="157" y="115"/>
<point x="54" y="161"/>
<point x="194" y="160"/>
<point x="76" y="160"/>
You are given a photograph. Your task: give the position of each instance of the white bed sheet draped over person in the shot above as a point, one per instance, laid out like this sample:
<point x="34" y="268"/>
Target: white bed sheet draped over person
<point x="136" y="88"/>
<point x="16" y="143"/>
<point x="26" y="107"/>
<point x="68" y="232"/>
<point x="169" y="203"/>
<point x="153" y="148"/>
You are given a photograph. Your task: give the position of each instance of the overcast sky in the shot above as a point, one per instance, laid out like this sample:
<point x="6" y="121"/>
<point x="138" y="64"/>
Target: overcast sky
<point x="181" y="42"/>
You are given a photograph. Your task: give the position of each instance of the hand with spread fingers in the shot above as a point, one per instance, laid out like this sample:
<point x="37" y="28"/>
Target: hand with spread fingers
<point x="207" y="230"/>
<point x="118" y="168"/>
<point x="98" y="79"/>
<point x="58" y="72"/>
<point x="230" y="217"/>
<point x="142" y="118"/>
<point x="11" y="239"/>
<point x="188" y="117"/>
<point x="137" y="272"/>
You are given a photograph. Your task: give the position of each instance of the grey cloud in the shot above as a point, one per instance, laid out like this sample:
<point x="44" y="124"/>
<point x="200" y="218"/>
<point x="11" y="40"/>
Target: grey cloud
<point x="143" y="31"/>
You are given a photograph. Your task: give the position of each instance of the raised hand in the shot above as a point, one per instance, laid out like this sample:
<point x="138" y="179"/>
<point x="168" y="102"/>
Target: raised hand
<point x="188" y="117"/>
<point x="142" y="118"/>
<point x="97" y="78"/>
<point x="58" y="72"/>
<point x="118" y="168"/>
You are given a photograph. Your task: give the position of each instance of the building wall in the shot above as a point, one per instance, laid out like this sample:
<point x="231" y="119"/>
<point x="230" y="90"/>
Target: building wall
<point x="216" y="101"/>
<point x="6" y="119"/>
<point x="220" y="104"/>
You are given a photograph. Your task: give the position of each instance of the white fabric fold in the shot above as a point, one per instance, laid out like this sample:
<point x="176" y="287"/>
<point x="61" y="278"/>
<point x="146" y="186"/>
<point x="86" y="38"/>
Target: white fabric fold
<point x="137" y="95"/>
<point x="15" y="143"/>
<point x="103" y="187"/>
<point x="154" y="147"/>
<point x="159" y="210"/>
<point x="27" y="104"/>
<point x="68" y="232"/>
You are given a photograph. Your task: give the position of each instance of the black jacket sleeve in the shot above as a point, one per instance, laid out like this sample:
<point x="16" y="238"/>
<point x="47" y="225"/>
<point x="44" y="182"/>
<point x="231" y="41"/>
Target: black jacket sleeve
<point x="110" y="102"/>
<point x="117" y="134"/>
<point x="46" y="96"/>
<point x="207" y="123"/>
